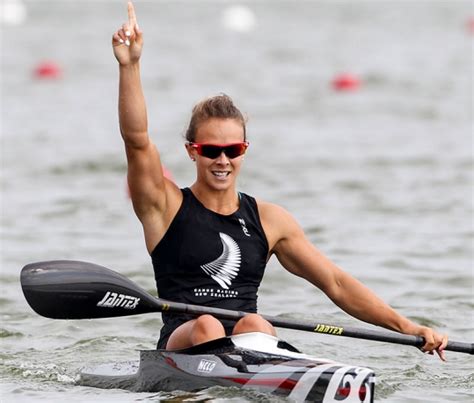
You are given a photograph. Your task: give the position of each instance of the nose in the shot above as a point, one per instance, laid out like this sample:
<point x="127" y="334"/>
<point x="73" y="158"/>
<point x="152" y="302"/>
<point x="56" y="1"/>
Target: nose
<point x="223" y="158"/>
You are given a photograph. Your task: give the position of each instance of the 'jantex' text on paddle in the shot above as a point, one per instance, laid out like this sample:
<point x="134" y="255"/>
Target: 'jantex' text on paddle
<point x="112" y="300"/>
<point x="328" y="329"/>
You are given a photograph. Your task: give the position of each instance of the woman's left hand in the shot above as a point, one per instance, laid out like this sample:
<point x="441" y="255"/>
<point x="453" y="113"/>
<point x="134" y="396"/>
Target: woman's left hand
<point x="434" y="341"/>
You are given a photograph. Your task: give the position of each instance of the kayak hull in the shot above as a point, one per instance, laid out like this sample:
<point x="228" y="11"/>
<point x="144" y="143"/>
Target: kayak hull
<point x="250" y="361"/>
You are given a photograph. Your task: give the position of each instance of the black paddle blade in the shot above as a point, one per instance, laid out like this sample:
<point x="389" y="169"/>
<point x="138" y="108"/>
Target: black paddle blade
<point x="67" y="289"/>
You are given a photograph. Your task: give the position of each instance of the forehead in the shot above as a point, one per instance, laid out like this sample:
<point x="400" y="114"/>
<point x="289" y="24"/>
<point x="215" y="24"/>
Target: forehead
<point x="221" y="131"/>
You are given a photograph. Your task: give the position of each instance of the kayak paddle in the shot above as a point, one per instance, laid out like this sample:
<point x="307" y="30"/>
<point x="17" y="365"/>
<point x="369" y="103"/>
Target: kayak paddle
<point x="68" y="289"/>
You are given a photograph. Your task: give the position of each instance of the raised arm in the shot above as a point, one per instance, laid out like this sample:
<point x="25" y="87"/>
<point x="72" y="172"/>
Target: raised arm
<point x="153" y="196"/>
<point x="294" y="251"/>
<point x="127" y="44"/>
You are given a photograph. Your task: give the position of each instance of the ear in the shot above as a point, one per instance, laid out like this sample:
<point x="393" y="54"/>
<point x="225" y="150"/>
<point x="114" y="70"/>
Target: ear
<point x="191" y="152"/>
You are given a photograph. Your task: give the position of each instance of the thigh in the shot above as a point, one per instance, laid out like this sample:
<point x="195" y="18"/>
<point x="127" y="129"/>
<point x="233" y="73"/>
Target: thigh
<point x="196" y="331"/>
<point x="181" y="336"/>
<point x="170" y="324"/>
<point x="253" y="322"/>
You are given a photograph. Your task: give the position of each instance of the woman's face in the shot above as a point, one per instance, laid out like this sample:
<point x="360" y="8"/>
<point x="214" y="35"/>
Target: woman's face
<point x="219" y="173"/>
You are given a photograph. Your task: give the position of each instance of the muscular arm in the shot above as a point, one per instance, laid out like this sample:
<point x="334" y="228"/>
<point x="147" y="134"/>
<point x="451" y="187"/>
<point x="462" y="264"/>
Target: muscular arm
<point x="132" y="107"/>
<point x="155" y="198"/>
<point x="294" y="251"/>
<point x="145" y="175"/>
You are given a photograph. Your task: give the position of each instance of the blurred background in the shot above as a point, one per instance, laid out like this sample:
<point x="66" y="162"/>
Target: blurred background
<point x="360" y="124"/>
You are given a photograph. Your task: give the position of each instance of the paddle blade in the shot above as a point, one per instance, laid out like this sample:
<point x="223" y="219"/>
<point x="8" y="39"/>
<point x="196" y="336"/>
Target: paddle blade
<point x="67" y="289"/>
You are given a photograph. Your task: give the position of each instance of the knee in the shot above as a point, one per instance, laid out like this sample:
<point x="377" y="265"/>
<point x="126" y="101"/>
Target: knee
<point x="205" y="328"/>
<point x="253" y="322"/>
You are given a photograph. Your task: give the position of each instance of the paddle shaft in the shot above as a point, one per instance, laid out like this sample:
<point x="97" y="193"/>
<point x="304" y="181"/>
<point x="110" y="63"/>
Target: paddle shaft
<point x="65" y="289"/>
<point x="309" y="326"/>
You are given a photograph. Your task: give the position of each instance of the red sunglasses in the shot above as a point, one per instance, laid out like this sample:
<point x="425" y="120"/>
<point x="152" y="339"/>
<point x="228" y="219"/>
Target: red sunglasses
<point x="213" y="151"/>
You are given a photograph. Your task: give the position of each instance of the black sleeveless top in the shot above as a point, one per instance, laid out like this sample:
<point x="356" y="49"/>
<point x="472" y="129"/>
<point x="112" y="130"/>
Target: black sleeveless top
<point x="206" y="258"/>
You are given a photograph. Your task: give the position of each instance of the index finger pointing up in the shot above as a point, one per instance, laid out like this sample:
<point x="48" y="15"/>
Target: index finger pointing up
<point x="132" y="18"/>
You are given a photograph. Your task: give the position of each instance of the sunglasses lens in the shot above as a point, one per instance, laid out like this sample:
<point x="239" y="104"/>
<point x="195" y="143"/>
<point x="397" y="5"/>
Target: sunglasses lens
<point x="213" y="151"/>
<point x="210" y="151"/>
<point x="234" y="150"/>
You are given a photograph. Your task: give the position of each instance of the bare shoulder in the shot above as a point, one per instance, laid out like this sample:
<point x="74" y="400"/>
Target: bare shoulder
<point x="271" y="212"/>
<point x="277" y="222"/>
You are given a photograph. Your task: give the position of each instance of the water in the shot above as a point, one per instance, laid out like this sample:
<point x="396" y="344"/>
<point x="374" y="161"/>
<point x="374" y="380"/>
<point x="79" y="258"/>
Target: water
<point x="380" y="179"/>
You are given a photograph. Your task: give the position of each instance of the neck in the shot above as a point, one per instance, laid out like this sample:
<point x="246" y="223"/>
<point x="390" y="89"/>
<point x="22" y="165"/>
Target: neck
<point x="223" y="202"/>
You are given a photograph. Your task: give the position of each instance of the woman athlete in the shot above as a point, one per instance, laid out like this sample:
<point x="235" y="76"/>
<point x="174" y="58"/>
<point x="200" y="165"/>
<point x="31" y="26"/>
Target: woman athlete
<point x="209" y="244"/>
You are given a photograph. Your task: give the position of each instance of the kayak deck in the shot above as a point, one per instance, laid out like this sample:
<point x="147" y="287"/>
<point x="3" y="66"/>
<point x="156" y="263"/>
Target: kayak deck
<point x="252" y="360"/>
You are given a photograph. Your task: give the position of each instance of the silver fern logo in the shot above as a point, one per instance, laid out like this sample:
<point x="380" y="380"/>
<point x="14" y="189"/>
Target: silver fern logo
<point x="226" y="267"/>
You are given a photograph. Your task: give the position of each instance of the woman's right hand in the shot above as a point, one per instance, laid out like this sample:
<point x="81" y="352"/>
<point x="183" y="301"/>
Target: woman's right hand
<point x="127" y="42"/>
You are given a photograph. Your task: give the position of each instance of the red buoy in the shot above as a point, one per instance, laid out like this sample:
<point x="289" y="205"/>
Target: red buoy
<point x="470" y="25"/>
<point x="48" y="70"/>
<point x="345" y="82"/>
<point x="167" y="173"/>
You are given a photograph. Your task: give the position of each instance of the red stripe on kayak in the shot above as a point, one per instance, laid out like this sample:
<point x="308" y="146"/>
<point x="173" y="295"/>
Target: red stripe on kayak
<point x="274" y="382"/>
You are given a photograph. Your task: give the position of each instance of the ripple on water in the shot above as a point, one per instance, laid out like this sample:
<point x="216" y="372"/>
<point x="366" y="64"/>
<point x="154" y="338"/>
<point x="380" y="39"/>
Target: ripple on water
<point x="215" y="394"/>
<point x="423" y="376"/>
<point x="102" y="344"/>
<point x="4" y="333"/>
<point x="39" y="370"/>
<point x="396" y="263"/>
<point x="100" y="165"/>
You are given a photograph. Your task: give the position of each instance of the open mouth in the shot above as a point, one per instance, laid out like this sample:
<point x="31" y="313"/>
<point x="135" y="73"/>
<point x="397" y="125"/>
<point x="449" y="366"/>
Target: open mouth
<point x="221" y="174"/>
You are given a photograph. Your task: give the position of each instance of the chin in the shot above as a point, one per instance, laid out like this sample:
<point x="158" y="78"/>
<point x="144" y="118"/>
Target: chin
<point x="220" y="185"/>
